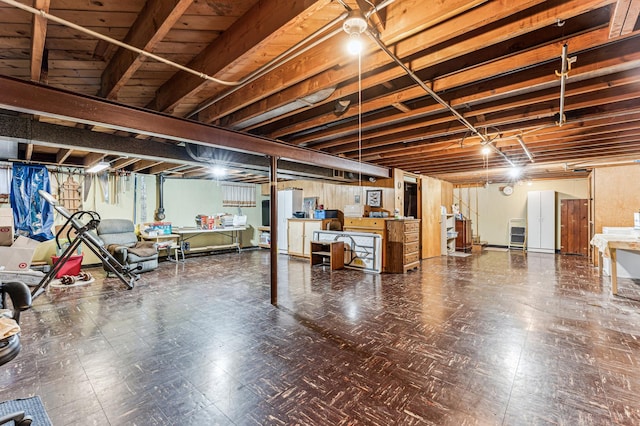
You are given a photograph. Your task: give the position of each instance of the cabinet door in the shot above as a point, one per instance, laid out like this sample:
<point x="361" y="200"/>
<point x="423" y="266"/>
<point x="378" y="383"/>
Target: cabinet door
<point x="296" y="237"/>
<point x="533" y="220"/>
<point x="309" y="227"/>
<point x="548" y="220"/>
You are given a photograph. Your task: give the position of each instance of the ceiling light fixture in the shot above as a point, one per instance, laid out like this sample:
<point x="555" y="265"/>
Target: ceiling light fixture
<point x="354" y="25"/>
<point x="218" y="171"/>
<point x="98" y="167"/>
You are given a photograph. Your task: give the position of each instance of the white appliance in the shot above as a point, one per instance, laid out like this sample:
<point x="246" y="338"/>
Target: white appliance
<point x="289" y="201"/>
<point x="541" y="221"/>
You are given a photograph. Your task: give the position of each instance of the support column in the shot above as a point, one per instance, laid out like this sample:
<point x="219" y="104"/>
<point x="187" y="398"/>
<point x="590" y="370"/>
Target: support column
<point x="273" y="204"/>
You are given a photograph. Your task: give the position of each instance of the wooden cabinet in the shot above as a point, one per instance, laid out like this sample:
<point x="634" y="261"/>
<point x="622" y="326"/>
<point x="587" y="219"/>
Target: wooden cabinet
<point x="300" y="234"/>
<point x="372" y="225"/>
<point x="402" y="245"/>
<point x="464" y="240"/>
<point x="574" y="227"/>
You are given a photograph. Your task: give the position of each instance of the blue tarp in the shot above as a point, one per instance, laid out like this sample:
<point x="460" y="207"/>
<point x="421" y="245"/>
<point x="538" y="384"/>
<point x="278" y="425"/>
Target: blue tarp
<point x="32" y="215"/>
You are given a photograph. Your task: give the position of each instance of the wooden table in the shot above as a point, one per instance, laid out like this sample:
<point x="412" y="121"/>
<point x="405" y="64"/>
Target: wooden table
<point x="333" y="250"/>
<point x="607" y="245"/>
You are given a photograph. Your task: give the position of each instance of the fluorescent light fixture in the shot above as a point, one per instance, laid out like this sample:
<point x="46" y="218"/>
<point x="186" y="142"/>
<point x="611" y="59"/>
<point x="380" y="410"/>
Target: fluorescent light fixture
<point x="98" y="167"/>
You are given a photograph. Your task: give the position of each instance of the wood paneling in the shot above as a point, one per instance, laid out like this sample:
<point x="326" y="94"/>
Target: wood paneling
<point x="574" y="227"/>
<point x="616" y="196"/>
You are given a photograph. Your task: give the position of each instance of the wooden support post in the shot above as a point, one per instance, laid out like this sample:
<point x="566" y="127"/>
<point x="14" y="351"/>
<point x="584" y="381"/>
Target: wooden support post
<point x="273" y="223"/>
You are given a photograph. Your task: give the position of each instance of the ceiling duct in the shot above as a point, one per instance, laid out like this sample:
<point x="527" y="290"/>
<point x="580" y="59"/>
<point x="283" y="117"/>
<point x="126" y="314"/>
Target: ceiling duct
<point x="304" y="102"/>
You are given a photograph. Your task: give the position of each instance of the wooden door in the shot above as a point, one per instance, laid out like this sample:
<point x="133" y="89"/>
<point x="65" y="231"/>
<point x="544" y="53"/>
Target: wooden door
<point x="430" y="194"/>
<point x="574" y="227"/>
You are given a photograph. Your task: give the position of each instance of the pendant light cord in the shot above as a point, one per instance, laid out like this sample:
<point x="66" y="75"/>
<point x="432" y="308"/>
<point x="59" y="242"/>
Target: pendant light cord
<point x="360" y="118"/>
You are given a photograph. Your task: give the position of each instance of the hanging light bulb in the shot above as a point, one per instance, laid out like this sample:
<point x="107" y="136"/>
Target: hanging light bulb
<point x="486" y="150"/>
<point x="354" y="45"/>
<point x="354" y="25"/>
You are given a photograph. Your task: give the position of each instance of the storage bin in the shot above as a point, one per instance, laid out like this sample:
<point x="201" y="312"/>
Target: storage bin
<point x="71" y="267"/>
<point x="325" y="214"/>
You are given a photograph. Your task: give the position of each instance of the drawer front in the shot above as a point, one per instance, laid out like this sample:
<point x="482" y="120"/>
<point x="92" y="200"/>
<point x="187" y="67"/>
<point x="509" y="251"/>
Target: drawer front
<point x="364" y="223"/>
<point x="410" y="258"/>
<point x="411" y="237"/>
<point x="411" y="247"/>
<point x="412" y="227"/>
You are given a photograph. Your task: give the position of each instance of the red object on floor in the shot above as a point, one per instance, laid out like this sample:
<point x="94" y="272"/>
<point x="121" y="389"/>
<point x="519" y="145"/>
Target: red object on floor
<point x="71" y="267"/>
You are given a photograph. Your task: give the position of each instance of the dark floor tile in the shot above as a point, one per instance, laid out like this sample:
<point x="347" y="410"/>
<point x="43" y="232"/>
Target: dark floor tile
<point x="496" y="338"/>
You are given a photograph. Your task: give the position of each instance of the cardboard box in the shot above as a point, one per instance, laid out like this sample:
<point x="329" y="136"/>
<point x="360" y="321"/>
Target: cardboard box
<point x="154" y="229"/>
<point x="18" y="256"/>
<point x="6" y="226"/>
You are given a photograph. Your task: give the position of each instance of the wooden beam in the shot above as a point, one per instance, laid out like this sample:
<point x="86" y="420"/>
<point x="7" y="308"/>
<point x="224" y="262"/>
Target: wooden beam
<point x="43" y="100"/>
<point x="28" y="153"/>
<point x="92" y="158"/>
<point x="153" y="23"/>
<point x="123" y="162"/>
<point x="327" y="56"/>
<point x="62" y="155"/>
<point x="625" y="17"/>
<point x="144" y="164"/>
<point x="245" y="36"/>
<point x="38" y="37"/>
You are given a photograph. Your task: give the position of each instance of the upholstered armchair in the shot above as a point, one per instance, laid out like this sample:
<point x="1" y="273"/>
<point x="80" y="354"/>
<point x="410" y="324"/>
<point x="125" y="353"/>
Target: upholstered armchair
<point x="120" y="239"/>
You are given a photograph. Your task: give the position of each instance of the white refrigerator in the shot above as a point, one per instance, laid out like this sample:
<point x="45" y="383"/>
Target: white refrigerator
<point x="289" y="201"/>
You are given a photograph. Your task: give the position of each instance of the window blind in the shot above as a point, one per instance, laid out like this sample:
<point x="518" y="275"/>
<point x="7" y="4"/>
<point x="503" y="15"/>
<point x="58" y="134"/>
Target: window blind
<point x="238" y="195"/>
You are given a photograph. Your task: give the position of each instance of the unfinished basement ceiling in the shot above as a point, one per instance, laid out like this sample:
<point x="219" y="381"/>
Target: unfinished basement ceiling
<point x="495" y="63"/>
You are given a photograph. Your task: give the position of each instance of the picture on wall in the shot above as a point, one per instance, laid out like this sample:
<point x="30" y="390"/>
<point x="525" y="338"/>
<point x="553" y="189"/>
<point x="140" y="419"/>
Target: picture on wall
<point x="309" y="204"/>
<point x="374" y="198"/>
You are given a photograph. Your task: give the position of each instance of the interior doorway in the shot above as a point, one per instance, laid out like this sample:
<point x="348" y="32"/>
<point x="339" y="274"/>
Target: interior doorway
<point x="410" y="199"/>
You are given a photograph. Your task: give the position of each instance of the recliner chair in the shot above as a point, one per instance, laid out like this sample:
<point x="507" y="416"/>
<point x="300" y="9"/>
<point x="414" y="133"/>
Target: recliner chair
<point x="20" y="297"/>
<point x="119" y="237"/>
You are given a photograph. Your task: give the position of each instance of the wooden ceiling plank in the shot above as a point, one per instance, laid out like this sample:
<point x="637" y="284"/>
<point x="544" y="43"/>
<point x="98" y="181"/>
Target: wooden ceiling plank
<point x="151" y="26"/>
<point x="123" y="162"/>
<point x="144" y="164"/>
<point x="38" y="37"/>
<point x="626" y="54"/>
<point x="440" y="32"/>
<point x="245" y="36"/>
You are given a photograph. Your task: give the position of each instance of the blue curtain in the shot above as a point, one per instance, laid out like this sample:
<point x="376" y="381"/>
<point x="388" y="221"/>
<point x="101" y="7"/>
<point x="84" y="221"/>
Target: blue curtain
<point x="32" y="215"/>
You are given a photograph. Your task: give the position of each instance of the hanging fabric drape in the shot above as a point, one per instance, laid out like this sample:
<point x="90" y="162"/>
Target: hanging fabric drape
<point x="238" y="195"/>
<point x="32" y="215"/>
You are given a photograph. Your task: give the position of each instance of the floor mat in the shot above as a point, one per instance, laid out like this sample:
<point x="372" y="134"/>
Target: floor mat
<point x="459" y="254"/>
<point x="31" y="406"/>
<point x="496" y="249"/>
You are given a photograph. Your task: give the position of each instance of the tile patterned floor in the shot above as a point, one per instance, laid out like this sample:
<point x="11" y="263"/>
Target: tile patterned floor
<point x="493" y="339"/>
